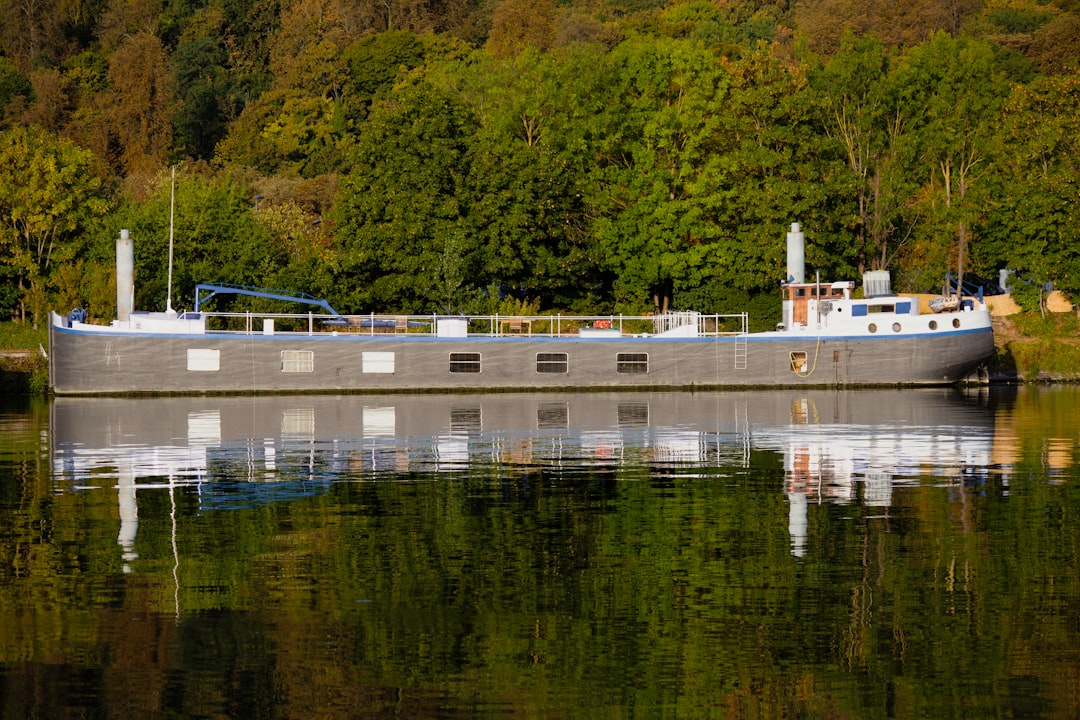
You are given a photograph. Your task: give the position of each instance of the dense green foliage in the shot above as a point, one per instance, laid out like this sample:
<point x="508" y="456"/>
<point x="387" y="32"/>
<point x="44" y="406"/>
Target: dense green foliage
<point x="613" y="156"/>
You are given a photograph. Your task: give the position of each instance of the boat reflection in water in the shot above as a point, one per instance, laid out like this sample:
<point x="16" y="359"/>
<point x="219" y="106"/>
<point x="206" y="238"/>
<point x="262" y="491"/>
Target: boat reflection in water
<point x="841" y="447"/>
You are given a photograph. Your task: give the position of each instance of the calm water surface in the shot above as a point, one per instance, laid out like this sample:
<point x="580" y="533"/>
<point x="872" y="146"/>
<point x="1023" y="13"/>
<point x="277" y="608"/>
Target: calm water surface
<point x="871" y="554"/>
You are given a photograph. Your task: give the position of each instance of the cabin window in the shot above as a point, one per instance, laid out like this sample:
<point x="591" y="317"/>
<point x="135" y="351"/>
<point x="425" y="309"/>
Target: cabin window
<point x="904" y="308"/>
<point x="297" y="361"/>
<point x="551" y="363"/>
<point x="203" y="360"/>
<point x="872" y="327"/>
<point x="464" y="362"/>
<point x="896" y="327"/>
<point x="956" y="322"/>
<point x="858" y="311"/>
<point x="933" y="324"/>
<point x="377" y="362"/>
<point x="632" y="363"/>
<point x="798" y="362"/>
<point x="882" y="308"/>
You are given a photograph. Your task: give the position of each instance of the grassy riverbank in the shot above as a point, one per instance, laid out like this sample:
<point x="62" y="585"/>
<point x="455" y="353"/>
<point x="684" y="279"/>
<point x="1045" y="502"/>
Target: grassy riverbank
<point x="1037" y="348"/>
<point x="23" y="368"/>
<point x="1031" y="348"/>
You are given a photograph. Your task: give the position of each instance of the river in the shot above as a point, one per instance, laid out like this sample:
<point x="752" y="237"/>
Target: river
<point x="759" y="554"/>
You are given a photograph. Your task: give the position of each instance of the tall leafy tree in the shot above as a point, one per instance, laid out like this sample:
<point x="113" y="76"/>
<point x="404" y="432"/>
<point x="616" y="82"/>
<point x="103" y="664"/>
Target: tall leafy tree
<point x="766" y="168"/>
<point x="142" y="103"/>
<point x="523" y="203"/>
<point x="13" y="85"/>
<point x="520" y="24"/>
<point x="654" y="138"/>
<point x="1033" y="206"/>
<point x="204" y="93"/>
<point x="824" y="22"/>
<point x="216" y="238"/>
<point x="857" y="113"/>
<point x="950" y="92"/>
<point x="44" y="215"/>
<point x="399" y="216"/>
<point x="31" y="31"/>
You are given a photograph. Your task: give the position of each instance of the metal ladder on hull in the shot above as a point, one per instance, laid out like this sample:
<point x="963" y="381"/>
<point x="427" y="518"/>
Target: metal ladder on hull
<point x="741" y="345"/>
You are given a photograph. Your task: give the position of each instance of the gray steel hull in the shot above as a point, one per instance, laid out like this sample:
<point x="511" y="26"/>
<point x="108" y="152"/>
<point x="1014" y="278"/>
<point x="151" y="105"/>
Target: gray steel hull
<point x="84" y="363"/>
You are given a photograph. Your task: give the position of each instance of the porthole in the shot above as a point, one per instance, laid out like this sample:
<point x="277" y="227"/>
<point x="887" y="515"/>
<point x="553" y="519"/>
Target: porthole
<point x="933" y="324"/>
<point x="872" y="327"/>
<point x="956" y="322"/>
<point x="896" y="327"/>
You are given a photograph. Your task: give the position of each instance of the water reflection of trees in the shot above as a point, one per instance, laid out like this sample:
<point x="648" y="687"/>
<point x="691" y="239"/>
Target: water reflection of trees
<point x="529" y="586"/>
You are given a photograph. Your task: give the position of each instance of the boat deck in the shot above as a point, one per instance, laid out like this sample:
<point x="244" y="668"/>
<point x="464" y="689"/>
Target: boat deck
<point x="682" y="324"/>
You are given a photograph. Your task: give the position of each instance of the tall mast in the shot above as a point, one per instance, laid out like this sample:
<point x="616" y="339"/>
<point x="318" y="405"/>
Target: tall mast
<point x="172" y="206"/>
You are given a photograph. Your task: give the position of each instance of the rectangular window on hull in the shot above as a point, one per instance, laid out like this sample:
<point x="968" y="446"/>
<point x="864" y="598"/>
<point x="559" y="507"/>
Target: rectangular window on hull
<point x="632" y="363"/>
<point x="464" y="362"/>
<point x="551" y="363"/>
<point x="203" y="360"/>
<point x="377" y="362"/>
<point x="297" y="361"/>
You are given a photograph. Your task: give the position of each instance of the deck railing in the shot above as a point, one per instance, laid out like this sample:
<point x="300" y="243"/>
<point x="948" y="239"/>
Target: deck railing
<point x="558" y="325"/>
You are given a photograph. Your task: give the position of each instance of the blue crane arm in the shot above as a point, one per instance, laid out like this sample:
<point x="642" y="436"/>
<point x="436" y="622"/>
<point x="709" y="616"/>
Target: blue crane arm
<point x="212" y="289"/>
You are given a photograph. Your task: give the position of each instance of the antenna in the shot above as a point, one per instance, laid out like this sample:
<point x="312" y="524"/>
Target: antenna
<point x="172" y="206"/>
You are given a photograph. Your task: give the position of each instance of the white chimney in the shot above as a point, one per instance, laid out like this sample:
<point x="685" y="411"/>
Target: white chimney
<point x="796" y="255"/>
<point x="125" y="276"/>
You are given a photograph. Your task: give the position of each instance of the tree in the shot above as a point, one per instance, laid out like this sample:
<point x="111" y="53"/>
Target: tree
<point x="204" y="93"/>
<point x="45" y="214"/>
<point x="13" y="84"/>
<point x="399" y="211"/>
<point x="32" y="31"/>
<point x="656" y="138"/>
<point x="1056" y="46"/>
<point x="216" y="238"/>
<point x="823" y="23"/>
<point x="141" y="105"/>
<point x="950" y="92"/>
<point x="1032" y="210"/>
<point x="766" y="166"/>
<point x="518" y="24"/>
<point x="522" y="199"/>
<point x="858" y="114"/>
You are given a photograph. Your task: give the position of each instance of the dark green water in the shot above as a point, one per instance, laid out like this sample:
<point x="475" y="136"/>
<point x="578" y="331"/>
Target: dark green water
<point x="870" y="554"/>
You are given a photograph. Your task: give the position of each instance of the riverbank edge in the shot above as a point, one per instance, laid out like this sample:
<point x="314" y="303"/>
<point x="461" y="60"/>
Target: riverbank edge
<point x="1020" y="359"/>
